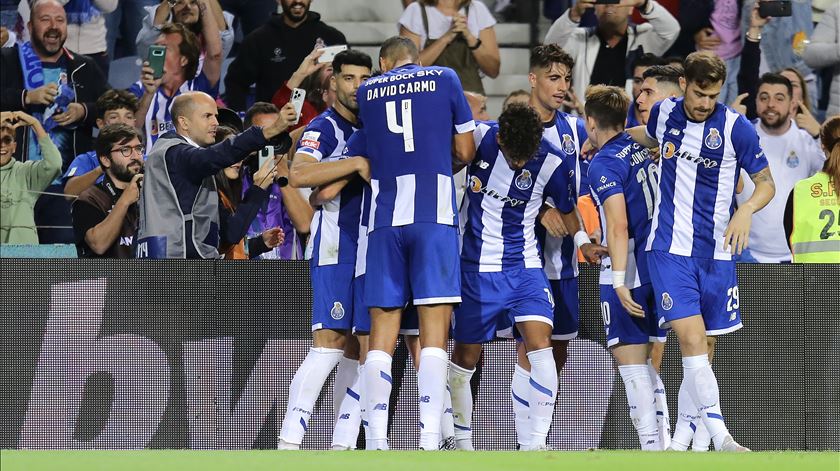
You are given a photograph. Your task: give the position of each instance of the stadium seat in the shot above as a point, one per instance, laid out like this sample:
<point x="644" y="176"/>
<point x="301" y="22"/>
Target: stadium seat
<point x="124" y="72"/>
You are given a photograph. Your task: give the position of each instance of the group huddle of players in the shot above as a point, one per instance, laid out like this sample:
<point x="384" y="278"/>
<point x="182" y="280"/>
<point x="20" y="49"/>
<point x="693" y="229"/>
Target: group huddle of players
<point x="390" y="252"/>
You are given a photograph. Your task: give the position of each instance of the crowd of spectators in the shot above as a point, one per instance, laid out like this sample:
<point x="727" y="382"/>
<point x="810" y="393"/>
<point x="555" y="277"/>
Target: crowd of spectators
<point x="73" y="148"/>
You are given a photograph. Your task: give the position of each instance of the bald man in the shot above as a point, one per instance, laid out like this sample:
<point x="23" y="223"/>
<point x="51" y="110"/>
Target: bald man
<point x="179" y="206"/>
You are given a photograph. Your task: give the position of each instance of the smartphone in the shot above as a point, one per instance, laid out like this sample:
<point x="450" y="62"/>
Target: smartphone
<point x="330" y="52"/>
<point x="607" y="2"/>
<point x="774" y="8"/>
<point x="298" y="96"/>
<point x="157" y="56"/>
<point x="266" y="153"/>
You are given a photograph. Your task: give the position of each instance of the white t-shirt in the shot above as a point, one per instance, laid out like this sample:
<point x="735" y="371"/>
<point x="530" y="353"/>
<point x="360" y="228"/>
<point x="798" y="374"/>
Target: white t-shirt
<point x="792" y="157"/>
<point x="412" y="19"/>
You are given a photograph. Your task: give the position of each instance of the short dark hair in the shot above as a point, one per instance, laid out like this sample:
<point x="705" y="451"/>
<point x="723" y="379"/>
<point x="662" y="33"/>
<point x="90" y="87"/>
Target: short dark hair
<point x="115" y="99"/>
<point x="520" y="132"/>
<point x="607" y="105"/>
<point x="260" y="107"/>
<point x="114" y="134"/>
<point x="665" y="73"/>
<point x="704" y="69"/>
<point x="351" y="57"/>
<point x="224" y="132"/>
<point x="674" y="60"/>
<point x="398" y="47"/>
<point x="513" y="94"/>
<point x="776" y="79"/>
<point x="544" y="55"/>
<point x="189" y="46"/>
<point x="648" y="60"/>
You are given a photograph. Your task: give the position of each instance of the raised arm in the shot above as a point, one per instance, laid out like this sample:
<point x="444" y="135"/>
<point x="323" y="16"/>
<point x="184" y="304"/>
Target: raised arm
<point x="639" y="135"/>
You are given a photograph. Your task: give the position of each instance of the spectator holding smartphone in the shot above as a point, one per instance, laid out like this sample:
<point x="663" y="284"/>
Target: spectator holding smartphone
<point x="20" y="182"/>
<point x="202" y="17"/>
<point x="824" y="51"/>
<point x="180" y="75"/>
<point x="238" y="210"/>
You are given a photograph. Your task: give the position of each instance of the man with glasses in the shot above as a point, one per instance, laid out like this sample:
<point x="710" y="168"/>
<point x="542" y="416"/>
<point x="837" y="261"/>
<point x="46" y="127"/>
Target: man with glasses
<point x="105" y="216"/>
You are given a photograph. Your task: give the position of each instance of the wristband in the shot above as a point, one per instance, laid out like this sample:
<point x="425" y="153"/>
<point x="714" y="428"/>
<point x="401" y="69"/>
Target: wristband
<point x="581" y="239"/>
<point x="618" y="278"/>
<point x="477" y="45"/>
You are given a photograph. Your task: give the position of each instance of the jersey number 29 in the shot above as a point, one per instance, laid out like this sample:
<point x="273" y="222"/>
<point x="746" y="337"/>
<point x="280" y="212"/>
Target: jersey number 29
<point x="407" y="127"/>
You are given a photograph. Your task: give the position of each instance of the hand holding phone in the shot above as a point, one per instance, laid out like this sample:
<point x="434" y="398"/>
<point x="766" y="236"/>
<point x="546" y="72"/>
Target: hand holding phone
<point x="298" y="97"/>
<point x="777" y="8"/>
<point x="156" y="59"/>
<point x="330" y="52"/>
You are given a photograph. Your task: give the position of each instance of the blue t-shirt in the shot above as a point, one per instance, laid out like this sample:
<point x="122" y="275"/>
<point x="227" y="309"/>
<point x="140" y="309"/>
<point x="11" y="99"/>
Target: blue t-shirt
<point x="410" y="115"/>
<point x="624" y="167"/>
<point x="82" y="164"/>
<point x="699" y="168"/>
<point x="501" y="204"/>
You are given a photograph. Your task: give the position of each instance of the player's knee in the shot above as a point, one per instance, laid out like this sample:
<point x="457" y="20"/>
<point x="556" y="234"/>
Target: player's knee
<point x="466" y="355"/>
<point x="328" y="338"/>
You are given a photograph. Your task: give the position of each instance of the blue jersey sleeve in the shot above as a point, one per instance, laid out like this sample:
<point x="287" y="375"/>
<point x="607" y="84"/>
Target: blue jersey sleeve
<point x="748" y="150"/>
<point x="580" y="126"/>
<point x="606" y="177"/>
<point x="650" y="127"/>
<point x="560" y="188"/>
<point x="357" y="144"/>
<point x="202" y="84"/>
<point x="461" y="113"/>
<point x="317" y="141"/>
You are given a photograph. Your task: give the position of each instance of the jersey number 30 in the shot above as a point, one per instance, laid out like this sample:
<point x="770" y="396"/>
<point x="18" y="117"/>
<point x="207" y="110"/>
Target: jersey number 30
<point x="407" y="127"/>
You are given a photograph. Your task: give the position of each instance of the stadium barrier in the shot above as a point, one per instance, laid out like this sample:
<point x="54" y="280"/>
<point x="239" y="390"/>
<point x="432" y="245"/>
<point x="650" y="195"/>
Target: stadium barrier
<point x="199" y="354"/>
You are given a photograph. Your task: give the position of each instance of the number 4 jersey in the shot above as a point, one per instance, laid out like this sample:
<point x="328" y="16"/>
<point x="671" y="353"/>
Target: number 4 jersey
<point x="410" y="115"/>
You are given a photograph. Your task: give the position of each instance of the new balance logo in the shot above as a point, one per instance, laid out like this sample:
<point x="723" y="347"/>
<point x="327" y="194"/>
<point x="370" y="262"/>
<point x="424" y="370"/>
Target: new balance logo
<point x="381" y="406"/>
<point x="425" y="399"/>
<point x="674" y="132"/>
<point x="344" y="417"/>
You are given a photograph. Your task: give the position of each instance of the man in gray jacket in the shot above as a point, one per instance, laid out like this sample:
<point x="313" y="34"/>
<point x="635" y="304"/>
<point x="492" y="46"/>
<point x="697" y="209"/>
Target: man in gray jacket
<point x="824" y="51"/>
<point x="179" y="205"/>
<point x="603" y="54"/>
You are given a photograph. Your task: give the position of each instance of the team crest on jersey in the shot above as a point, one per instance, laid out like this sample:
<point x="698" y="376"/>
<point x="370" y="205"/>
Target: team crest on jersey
<point x="524" y="181"/>
<point x="337" y="311"/>
<point x="793" y="160"/>
<point x="475" y="184"/>
<point x="713" y="139"/>
<point x="568" y="144"/>
<point x="668" y="150"/>
<point x="667" y="302"/>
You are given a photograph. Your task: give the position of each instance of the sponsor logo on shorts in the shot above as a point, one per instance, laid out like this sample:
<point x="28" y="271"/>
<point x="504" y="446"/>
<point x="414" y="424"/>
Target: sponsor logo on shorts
<point x="381" y="406"/>
<point x="337" y="311"/>
<point x="425" y="399"/>
<point x="667" y="302"/>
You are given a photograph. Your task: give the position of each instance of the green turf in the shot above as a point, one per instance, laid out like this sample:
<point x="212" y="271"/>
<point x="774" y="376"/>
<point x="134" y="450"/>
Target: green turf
<point x="177" y="460"/>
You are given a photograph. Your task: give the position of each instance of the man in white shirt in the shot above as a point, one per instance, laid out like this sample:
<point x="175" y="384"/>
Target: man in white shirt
<point x="793" y="155"/>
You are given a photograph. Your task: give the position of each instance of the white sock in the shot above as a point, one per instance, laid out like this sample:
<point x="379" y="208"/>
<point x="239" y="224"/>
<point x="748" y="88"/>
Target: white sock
<point x="363" y="400"/>
<point x="447" y="422"/>
<point x="349" y="414"/>
<point x="663" y="418"/>
<point x="431" y="387"/>
<point x="542" y="394"/>
<point x="377" y="388"/>
<point x="519" y="394"/>
<point x="702" y="439"/>
<point x="345" y="376"/>
<point x="706" y="394"/>
<point x="462" y="404"/>
<point x="304" y="391"/>
<point x="687" y="415"/>
<point x="642" y="404"/>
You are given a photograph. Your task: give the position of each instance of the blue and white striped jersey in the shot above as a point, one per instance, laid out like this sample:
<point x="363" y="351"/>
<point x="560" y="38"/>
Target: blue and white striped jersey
<point x="410" y="115"/>
<point x="700" y="164"/>
<point x="357" y="146"/>
<point x="334" y="231"/>
<point x="158" y="120"/>
<point x="624" y="167"/>
<point x="566" y="133"/>
<point x="501" y="204"/>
